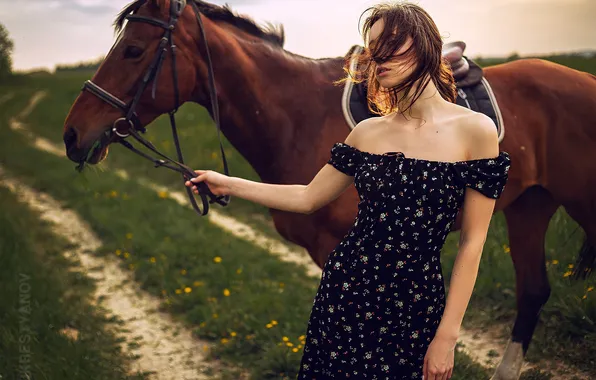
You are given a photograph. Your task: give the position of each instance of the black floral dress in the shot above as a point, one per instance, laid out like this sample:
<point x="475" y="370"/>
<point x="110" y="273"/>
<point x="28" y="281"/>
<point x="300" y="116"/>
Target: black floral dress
<point x="381" y="295"/>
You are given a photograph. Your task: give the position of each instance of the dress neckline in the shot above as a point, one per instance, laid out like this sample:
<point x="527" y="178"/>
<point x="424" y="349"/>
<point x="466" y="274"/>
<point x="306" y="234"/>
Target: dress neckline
<point x="414" y="159"/>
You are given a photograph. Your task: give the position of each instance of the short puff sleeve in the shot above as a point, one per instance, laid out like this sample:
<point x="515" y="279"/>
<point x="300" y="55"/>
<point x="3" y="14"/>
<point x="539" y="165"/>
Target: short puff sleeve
<point x="486" y="175"/>
<point x="345" y="158"/>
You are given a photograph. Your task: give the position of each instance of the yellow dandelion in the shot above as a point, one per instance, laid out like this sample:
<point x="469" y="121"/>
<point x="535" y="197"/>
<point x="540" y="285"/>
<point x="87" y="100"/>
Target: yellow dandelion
<point x="153" y="260"/>
<point x="224" y="340"/>
<point x="215" y="315"/>
<point x="285" y="339"/>
<point x="129" y="235"/>
<point x="217" y="259"/>
<point x="567" y="274"/>
<point x="126" y="255"/>
<point x="274" y="322"/>
<point x="249" y="337"/>
<point x="269" y="325"/>
<point x="188" y="289"/>
<point x="590" y="288"/>
<point x="183" y="272"/>
<point x="118" y="252"/>
<point x="205" y="348"/>
<point x="302" y="342"/>
<point x="289" y="344"/>
<point x="233" y="333"/>
<point x="239" y="270"/>
<point x="226" y="292"/>
<point x="131" y="266"/>
<point x="113" y="194"/>
<point x="178" y="291"/>
<point x="295" y="349"/>
<point x="506" y="248"/>
<point x="585" y="296"/>
<point x="570" y="266"/>
<point x="301" y="337"/>
<point x="162" y="194"/>
<point x="197" y="283"/>
<point x="555" y="262"/>
<point x="299" y="346"/>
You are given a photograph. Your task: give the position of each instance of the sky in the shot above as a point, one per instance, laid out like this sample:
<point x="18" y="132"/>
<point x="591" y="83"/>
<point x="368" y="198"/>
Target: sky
<point x="49" y="32"/>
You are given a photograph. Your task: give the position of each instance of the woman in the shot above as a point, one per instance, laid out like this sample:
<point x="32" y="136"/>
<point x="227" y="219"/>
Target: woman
<point x="380" y="310"/>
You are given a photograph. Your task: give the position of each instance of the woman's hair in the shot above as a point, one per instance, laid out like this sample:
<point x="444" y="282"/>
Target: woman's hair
<point x="402" y="19"/>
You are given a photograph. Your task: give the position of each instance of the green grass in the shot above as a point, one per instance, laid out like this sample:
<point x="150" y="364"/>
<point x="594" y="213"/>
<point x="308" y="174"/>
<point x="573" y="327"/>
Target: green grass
<point x="41" y="295"/>
<point x="189" y="263"/>
<point x="171" y="249"/>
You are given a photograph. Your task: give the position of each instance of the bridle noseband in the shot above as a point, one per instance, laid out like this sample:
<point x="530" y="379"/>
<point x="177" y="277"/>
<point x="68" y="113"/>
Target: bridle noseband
<point x="130" y="124"/>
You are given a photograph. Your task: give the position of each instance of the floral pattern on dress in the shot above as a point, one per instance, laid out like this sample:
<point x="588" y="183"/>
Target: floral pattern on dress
<point x="382" y="295"/>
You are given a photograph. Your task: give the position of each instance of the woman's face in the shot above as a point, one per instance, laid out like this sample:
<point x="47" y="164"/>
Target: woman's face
<point x="396" y="68"/>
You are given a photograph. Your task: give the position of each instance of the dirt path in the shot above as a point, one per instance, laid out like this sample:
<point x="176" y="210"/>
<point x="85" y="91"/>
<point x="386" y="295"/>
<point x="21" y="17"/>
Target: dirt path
<point x="166" y="348"/>
<point x="484" y="348"/>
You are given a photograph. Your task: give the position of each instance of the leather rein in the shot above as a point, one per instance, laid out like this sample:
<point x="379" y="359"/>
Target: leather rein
<point x="130" y="124"/>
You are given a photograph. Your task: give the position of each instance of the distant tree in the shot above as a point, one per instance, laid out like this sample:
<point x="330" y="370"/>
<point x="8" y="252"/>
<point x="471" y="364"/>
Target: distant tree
<point x="6" y="46"/>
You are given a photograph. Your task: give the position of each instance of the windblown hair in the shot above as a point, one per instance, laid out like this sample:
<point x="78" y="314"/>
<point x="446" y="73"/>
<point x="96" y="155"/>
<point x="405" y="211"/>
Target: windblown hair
<point x="401" y="20"/>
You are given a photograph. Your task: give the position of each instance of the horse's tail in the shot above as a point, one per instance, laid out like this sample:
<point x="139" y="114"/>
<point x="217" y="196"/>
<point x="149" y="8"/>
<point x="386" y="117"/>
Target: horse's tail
<point x="586" y="260"/>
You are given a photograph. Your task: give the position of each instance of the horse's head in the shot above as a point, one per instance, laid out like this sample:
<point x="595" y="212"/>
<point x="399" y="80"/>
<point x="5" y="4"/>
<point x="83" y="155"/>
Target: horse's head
<point x="137" y="80"/>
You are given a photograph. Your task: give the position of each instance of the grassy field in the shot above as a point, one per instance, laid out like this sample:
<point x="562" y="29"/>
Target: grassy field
<point x="41" y="296"/>
<point x="251" y="305"/>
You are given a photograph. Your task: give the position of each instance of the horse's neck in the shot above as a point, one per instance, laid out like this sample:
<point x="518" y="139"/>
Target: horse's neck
<point x="266" y="96"/>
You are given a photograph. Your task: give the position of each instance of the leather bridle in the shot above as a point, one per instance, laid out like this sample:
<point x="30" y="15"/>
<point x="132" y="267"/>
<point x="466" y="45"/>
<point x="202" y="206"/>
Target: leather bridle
<point x="130" y="124"/>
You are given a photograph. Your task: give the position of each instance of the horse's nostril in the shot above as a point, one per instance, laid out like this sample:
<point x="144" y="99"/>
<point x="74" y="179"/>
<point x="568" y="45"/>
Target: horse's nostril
<point x="70" y="137"/>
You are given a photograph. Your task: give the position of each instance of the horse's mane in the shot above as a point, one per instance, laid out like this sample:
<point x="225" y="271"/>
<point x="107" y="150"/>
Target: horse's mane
<point x="270" y="33"/>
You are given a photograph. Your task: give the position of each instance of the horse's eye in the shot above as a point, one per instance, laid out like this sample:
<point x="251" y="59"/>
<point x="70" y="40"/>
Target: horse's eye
<point x="133" y="52"/>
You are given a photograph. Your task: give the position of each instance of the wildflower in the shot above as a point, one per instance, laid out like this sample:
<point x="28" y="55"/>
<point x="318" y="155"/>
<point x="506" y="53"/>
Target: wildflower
<point x="188" y="289"/>
<point x="217" y="259"/>
<point x="294" y="349"/>
<point x="162" y="194"/>
<point x="118" y="252"/>
<point x="183" y="272"/>
<point x="285" y="339"/>
<point x="567" y="274"/>
<point x="226" y="292"/>
<point x="224" y="340"/>
<point x="178" y="291"/>
<point x="126" y="255"/>
<point x="590" y="288"/>
<point x="215" y="315"/>
<point x="570" y="266"/>
<point x="301" y="337"/>
<point x="113" y="194"/>
<point x="274" y="322"/>
<point x="129" y="235"/>
<point x="555" y="262"/>
<point x="197" y="283"/>
<point x="239" y="270"/>
<point x="269" y="325"/>
<point x="289" y="344"/>
<point x="233" y="333"/>
<point x="153" y="260"/>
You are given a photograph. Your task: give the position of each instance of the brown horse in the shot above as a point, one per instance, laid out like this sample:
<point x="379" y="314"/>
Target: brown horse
<point x="268" y="94"/>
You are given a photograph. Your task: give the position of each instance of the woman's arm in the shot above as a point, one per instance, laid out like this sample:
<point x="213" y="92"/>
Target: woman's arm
<point x="327" y="185"/>
<point x="476" y="215"/>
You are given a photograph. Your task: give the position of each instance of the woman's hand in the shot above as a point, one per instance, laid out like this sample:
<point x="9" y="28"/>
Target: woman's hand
<point x="218" y="183"/>
<point x="438" y="362"/>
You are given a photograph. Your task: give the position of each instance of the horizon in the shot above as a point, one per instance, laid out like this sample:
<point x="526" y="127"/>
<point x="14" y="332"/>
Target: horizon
<point x="80" y="31"/>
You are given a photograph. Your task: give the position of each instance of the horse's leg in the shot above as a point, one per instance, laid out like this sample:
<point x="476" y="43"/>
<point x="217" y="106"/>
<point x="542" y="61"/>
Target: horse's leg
<point x="585" y="216"/>
<point x="527" y="221"/>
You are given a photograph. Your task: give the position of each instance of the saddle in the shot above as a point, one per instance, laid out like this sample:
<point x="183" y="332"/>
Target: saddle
<point x="473" y="89"/>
